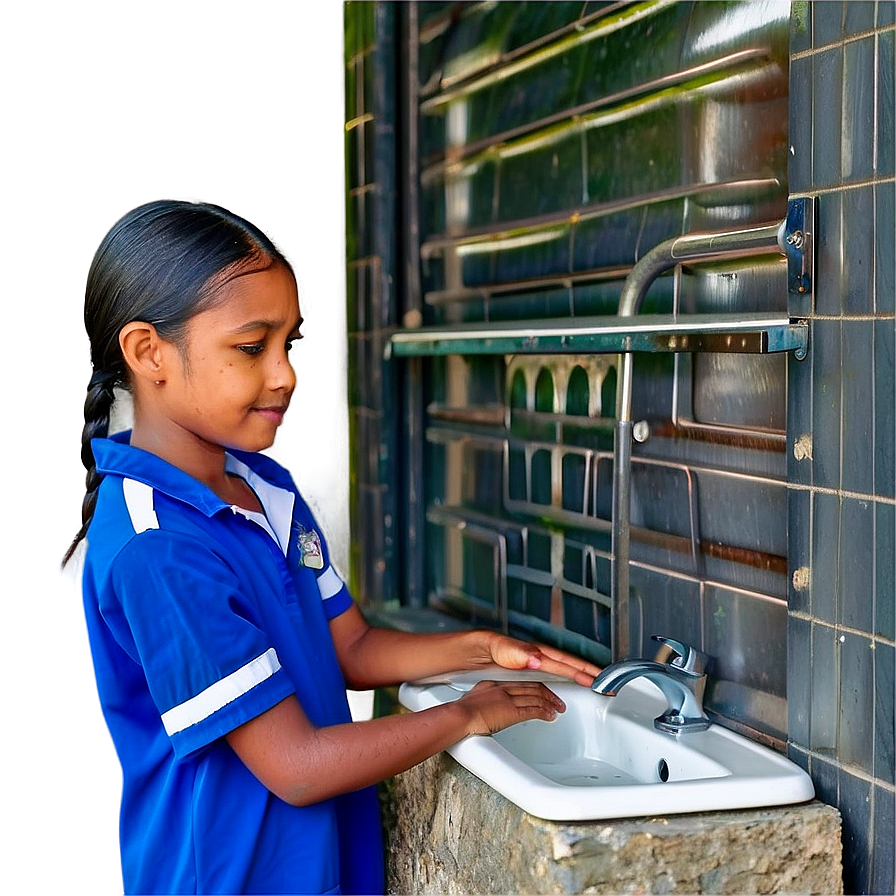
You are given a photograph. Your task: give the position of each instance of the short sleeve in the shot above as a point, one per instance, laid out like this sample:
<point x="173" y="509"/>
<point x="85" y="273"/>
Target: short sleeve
<point x="208" y="664"/>
<point x="334" y="592"/>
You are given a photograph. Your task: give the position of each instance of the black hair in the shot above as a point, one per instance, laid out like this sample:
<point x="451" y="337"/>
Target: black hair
<point x="162" y="263"/>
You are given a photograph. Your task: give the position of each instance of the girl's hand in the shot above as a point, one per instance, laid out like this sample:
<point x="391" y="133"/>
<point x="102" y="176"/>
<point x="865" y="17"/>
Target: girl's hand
<point x="495" y="705"/>
<point x="510" y="653"/>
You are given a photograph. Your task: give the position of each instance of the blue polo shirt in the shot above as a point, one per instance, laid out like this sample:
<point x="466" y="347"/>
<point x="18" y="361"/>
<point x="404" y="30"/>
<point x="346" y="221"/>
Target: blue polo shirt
<point x="200" y="618"/>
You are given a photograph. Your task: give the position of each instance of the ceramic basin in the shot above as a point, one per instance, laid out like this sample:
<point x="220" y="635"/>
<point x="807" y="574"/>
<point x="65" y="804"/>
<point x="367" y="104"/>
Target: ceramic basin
<point x="603" y="758"/>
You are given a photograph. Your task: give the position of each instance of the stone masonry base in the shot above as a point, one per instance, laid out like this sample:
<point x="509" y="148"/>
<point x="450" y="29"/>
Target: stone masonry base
<point x="447" y="832"/>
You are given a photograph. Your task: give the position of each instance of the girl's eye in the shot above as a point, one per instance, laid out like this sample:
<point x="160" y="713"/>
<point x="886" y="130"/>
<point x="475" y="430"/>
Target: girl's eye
<point x="252" y="348"/>
<point x="291" y="341"/>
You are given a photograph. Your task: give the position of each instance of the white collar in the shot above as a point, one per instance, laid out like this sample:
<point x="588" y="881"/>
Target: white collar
<point x="277" y="502"/>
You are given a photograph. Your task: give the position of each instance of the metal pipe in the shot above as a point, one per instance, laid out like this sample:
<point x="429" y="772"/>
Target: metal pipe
<point x="692" y="247"/>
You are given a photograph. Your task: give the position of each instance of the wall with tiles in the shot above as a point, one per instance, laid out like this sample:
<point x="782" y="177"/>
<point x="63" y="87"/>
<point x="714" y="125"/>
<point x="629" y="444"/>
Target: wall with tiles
<point x="819" y="464"/>
<point x="840" y="429"/>
<point x="558" y="143"/>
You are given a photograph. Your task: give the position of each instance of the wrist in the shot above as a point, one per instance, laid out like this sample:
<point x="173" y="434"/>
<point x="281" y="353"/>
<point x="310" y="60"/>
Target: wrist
<point x="458" y="720"/>
<point x="478" y="648"/>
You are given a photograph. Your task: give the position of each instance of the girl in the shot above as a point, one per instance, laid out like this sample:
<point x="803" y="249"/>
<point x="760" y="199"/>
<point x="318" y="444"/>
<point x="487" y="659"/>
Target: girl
<point x="222" y="638"/>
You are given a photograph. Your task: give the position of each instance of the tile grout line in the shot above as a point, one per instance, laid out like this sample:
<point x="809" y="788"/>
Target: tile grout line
<point x="848" y="39"/>
<point x="844" y="629"/>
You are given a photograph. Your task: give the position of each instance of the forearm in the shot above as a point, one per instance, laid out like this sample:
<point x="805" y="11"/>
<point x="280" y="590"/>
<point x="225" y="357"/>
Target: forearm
<point x="347" y="757"/>
<point x="303" y="764"/>
<point x="374" y="657"/>
<point x="383" y="657"/>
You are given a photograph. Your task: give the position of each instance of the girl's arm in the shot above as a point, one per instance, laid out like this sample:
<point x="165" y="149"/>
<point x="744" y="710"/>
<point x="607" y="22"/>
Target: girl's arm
<point x="375" y="657"/>
<point x="303" y="764"/>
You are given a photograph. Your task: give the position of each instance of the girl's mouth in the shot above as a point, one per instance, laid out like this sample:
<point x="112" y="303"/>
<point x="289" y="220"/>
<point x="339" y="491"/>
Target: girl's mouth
<point x="274" y="413"/>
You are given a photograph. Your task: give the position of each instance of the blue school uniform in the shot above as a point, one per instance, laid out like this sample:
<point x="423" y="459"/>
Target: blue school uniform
<point x="201" y="618"/>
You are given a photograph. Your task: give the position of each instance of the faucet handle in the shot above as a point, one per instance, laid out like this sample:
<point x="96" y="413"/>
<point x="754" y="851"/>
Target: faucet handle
<point x="685" y="657"/>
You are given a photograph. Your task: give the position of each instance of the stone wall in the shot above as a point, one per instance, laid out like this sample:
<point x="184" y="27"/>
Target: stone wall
<point x="447" y="832"/>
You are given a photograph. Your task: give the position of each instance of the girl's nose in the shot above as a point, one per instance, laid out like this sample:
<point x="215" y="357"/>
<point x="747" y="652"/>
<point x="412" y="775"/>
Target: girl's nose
<point x="281" y="376"/>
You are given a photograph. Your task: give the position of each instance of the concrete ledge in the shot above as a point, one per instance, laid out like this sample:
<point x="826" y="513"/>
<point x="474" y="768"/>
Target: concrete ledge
<point x="447" y="832"/>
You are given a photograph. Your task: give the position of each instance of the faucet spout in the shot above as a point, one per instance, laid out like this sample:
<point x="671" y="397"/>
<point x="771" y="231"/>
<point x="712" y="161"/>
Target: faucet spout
<point x="678" y="685"/>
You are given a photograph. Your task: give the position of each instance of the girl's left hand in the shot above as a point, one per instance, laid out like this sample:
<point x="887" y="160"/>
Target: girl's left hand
<point x="510" y="653"/>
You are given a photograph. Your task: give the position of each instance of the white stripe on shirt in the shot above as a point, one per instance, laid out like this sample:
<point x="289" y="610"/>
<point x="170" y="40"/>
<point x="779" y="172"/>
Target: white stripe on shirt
<point x="329" y="583"/>
<point x="138" y="498"/>
<point x="219" y="694"/>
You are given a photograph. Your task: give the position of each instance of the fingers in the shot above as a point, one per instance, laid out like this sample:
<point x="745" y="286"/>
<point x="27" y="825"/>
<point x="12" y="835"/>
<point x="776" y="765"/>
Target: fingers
<point x="509" y="653"/>
<point x="530" y="694"/>
<point x="497" y="705"/>
<point x="557" y="662"/>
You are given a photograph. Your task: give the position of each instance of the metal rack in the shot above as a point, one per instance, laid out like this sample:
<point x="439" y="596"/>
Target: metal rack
<point x="627" y="333"/>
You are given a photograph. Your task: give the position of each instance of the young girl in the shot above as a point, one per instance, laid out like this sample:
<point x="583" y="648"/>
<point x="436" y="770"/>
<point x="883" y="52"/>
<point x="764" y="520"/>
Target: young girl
<point x="222" y="638"/>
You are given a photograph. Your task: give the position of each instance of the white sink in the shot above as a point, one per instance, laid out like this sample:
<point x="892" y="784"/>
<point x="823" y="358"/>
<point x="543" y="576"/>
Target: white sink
<point x="603" y="758"/>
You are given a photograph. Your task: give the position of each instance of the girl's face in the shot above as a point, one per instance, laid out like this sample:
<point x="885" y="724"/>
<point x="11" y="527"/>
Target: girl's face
<point x="234" y="381"/>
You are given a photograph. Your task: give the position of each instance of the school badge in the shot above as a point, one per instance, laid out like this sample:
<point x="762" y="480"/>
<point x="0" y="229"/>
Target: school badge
<point x="312" y="555"/>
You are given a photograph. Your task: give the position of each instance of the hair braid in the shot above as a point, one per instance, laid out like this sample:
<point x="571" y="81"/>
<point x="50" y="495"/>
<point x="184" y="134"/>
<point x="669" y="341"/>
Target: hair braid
<point x="97" y="410"/>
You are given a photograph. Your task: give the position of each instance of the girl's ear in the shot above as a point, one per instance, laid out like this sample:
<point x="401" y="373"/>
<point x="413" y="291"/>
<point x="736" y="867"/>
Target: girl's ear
<point x="143" y="351"/>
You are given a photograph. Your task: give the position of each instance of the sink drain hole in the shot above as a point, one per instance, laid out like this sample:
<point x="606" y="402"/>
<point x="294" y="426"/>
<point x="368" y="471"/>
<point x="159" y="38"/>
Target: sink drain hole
<point x="662" y="770"/>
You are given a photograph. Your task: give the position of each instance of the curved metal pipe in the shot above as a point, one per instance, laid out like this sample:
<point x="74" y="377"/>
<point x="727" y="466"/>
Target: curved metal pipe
<point x="690" y="247"/>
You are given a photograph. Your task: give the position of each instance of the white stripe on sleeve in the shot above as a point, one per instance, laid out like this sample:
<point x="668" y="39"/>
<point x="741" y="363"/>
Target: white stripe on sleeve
<point x="219" y="694"/>
<point x="329" y="583"/>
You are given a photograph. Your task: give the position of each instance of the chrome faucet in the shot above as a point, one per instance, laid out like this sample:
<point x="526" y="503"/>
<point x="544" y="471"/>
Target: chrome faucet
<point x="682" y="680"/>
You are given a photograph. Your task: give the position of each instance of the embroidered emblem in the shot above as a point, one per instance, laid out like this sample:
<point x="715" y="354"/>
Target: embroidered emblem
<point x="312" y="555"/>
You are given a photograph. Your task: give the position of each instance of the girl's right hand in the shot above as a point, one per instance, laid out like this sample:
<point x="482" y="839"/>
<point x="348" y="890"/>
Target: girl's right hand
<point x="495" y="705"/>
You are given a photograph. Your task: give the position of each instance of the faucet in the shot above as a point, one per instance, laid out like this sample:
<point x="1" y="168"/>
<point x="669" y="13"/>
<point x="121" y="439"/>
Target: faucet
<point x="682" y="680"/>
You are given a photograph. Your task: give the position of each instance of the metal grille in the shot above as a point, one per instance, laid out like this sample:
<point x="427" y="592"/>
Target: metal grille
<point x="557" y="143"/>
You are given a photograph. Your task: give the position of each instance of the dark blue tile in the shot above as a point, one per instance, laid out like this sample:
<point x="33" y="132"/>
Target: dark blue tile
<point x="885" y="228"/>
<point x="885" y="104"/>
<point x="826" y="114"/>
<point x="825" y="556"/>
<point x="827" y="23"/>
<point x="856" y="566"/>
<point x="826" y="403"/>
<point x="856" y="712"/>
<point x="799" y="548"/>
<point x="855" y="809"/>
<point x="857" y="145"/>
<point x="884" y="403"/>
<point x="669" y="605"/>
<point x="799" y="159"/>
<point x="800" y="27"/>
<point x="829" y="254"/>
<point x="541" y="478"/>
<point x="858" y="250"/>
<point x="799" y="679"/>
<point x="574" y="482"/>
<point x="885" y="12"/>
<point x="825" y="681"/>
<point x="799" y="418"/>
<point x="857" y="448"/>
<point x="795" y="753"/>
<point x="882" y="858"/>
<point x="825" y="777"/>
<point x="760" y="664"/>
<point x="858" y="16"/>
<point x="884" y="696"/>
<point x="884" y="580"/>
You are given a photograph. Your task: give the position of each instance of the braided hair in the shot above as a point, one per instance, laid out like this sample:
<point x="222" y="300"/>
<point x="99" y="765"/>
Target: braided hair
<point x="162" y="263"/>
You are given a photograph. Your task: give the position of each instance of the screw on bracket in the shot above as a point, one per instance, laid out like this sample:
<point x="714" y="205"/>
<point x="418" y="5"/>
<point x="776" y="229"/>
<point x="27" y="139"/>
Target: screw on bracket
<point x="797" y="245"/>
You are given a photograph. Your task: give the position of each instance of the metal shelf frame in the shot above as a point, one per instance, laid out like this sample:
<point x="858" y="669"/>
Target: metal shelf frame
<point x="628" y="332"/>
<point x="756" y="333"/>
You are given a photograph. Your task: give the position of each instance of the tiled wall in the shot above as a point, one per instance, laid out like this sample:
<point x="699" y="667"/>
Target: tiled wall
<point x="840" y="401"/>
<point x="553" y="155"/>
<point x="841" y="430"/>
<point x="371" y="289"/>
